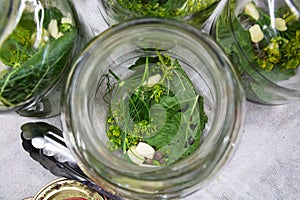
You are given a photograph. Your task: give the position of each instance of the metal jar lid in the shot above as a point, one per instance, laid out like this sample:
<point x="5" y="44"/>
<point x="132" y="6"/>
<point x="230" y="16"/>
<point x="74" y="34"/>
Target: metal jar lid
<point x="65" y="189"/>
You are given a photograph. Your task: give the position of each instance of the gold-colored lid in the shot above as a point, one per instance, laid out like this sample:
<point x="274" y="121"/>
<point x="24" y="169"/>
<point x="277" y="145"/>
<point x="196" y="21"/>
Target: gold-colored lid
<point x="65" y="189"/>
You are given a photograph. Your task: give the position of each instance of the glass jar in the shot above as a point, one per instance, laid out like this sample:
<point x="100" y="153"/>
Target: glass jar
<point x="38" y="38"/>
<point x="193" y="12"/>
<point x="262" y="41"/>
<point x="101" y="84"/>
<point x="7" y="8"/>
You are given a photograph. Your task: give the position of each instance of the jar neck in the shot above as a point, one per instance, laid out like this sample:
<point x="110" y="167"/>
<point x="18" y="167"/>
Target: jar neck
<point x="223" y="97"/>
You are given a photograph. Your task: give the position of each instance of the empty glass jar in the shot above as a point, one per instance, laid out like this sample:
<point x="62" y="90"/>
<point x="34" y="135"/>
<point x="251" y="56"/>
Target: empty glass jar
<point x="38" y="39"/>
<point x="262" y="40"/>
<point x="191" y="123"/>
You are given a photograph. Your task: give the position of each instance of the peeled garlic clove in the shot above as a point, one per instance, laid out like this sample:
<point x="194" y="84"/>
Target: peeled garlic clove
<point x="134" y="156"/>
<point x="59" y="35"/>
<point x="145" y="150"/>
<point x="250" y="9"/>
<point x="256" y="33"/>
<point x="154" y="79"/>
<point x="280" y="24"/>
<point x="66" y="20"/>
<point x="53" y="28"/>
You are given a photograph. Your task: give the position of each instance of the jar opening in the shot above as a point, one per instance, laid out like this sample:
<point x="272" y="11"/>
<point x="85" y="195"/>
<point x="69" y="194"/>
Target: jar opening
<point x="114" y="55"/>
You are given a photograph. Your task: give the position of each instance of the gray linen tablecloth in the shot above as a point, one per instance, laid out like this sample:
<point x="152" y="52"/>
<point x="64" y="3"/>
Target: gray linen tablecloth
<point x="266" y="164"/>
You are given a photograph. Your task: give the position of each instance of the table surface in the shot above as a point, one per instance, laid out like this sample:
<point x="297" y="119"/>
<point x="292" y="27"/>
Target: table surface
<point x="266" y="164"/>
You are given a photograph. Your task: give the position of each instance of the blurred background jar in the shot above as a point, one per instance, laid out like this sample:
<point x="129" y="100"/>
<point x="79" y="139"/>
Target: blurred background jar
<point x="262" y="39"/>
<point x="108" y="75"/>
<point x="38" y="40"/>
<point x="9" y="15"/>
<point x="194" y="12"/>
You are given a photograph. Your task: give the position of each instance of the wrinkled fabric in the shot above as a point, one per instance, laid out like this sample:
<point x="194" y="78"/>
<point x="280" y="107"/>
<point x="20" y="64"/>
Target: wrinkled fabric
<point x="266" y="164"/>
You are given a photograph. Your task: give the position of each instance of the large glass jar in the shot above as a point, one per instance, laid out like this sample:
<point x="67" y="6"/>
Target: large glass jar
<point x="262" y="40"/>
<point x="191" y="11"/>
<point x="38" y="38"/>
<point x="195" y="113"/>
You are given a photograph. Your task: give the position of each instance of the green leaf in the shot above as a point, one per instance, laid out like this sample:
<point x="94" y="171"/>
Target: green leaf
<point x="185" y="119"/>
<point x="173" y="122"/>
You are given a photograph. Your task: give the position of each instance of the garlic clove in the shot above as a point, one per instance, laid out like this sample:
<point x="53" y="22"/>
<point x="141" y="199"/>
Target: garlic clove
<point x="145" y="150"/>
<point x="134" y="156"/>
<point x="53" y="28"/>
<point x="66" y="20"/>
<point x="154" y="79"/>
<point x="280" y="24"/>
<point x="250" y="9"/>
<point x="59" y="35"/>
<point x="256" y="33"/>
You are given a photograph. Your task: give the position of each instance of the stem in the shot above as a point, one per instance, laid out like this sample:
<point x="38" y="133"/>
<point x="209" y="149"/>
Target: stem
<point x="124" y="143"/>
<point x="189" y="121"/>
<point x="5" y="101"/>
<point x="146" y="72"/>
<point x="168" y="87"/>
<point x="195" y="103"/>
<point x="161" y="59"/>
<point x="7" y="80"/>
<point x="125" y="131"/>
<point x="41" y="79"/>
<point x="114" y="75"/>
<point x="180" y="80"/>
<point x="134" y="105"/>
<point x="110" y="87"/>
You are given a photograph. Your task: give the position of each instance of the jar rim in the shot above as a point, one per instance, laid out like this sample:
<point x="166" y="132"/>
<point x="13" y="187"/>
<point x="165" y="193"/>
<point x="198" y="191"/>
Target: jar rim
<point x="70" y="115"/>
<point x="122" y="10"/>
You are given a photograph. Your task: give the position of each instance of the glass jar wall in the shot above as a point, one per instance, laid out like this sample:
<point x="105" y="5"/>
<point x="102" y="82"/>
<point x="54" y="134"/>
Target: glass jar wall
<point x="152" y="86"/>
<point x="193" y="12"/>
<point x="38" y="39"/>
<point x="262" y="41"/>
<point x="8" y="17"/>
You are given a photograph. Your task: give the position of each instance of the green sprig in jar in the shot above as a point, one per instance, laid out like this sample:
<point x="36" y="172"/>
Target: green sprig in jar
<point x="195" y="12"/>
<point x="262" y="39"/>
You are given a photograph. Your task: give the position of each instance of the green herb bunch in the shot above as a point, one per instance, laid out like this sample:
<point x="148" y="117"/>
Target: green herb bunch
<point x="276" y="41"/>
<point x="32" y="64"/>
<point x="157" y="105"/>
<point x="166" y="8"/>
